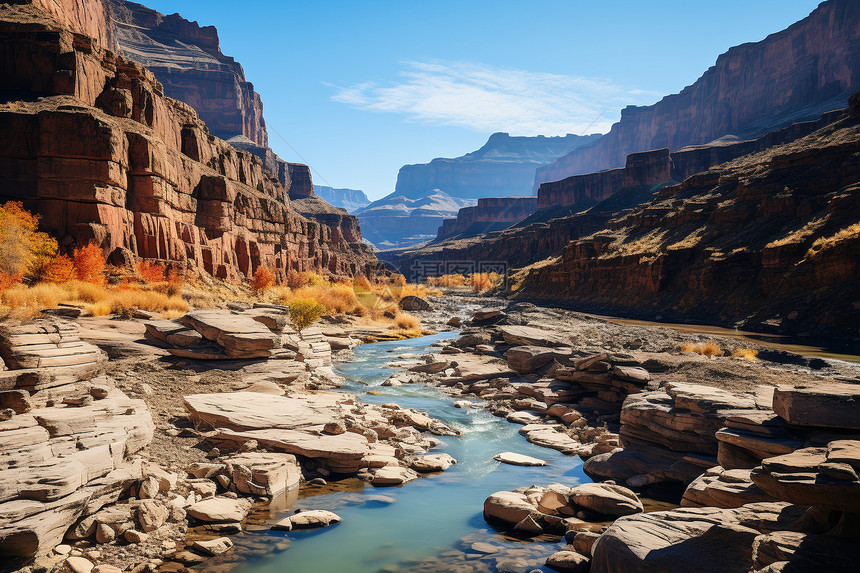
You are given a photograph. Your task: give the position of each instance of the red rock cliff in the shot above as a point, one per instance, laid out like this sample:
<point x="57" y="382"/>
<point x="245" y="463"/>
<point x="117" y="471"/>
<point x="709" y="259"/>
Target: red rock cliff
<point x="768" y="241"/>
<point x="187" y="60"/>
<point x="497" y="212"/>
<point x="809" y="68"/>
<point x="104" y="156"/>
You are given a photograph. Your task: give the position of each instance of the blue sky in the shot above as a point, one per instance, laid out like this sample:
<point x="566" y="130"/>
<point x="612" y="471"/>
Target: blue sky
<point x="362" y="88"/>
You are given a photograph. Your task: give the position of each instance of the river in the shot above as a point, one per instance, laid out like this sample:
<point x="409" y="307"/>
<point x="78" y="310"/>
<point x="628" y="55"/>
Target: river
<point x="431" y="523"/>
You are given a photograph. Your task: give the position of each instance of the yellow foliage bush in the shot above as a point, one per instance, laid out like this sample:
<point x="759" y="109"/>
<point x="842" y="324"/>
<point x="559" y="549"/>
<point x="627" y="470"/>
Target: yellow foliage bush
<point x="405" y="321"/>
<point x="709" y="349"/>
<point x="304" y="312"/>
<point x="745" y="354"/>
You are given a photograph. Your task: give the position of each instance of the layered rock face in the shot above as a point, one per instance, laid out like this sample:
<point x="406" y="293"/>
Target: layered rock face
<point x="505" y="165"/>
<point x="809" y="68"/>
<point x="187" y="60"/>
<point x="349" y="199"/>
<point x="768" y="240"/>
<point x="105" y="157"/>
<point x="489" y="214"/>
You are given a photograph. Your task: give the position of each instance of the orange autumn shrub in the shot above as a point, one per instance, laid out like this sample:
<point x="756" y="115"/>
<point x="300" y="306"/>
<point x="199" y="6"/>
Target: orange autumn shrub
<point x="150" y="272"/>
<point x="89" y="264"/>
<point x="295" y="279"/>
<point x="263" y="279"/>
<point x="60" y="269"/>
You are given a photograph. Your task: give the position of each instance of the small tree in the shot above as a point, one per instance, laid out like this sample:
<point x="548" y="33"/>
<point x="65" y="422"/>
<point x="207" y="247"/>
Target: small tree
<point x="304" y="312"/>
<point x="90" y="264"/>
<point x="263" y="279"/>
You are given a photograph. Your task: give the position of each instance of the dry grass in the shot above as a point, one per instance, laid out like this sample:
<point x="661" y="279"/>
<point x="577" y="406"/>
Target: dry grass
<point x="709" y="349"/>
<point x="405" y="321"/>
<point x="24" y="302"/>
<point x="745" y="354"/>
<point x="849" y="233"/>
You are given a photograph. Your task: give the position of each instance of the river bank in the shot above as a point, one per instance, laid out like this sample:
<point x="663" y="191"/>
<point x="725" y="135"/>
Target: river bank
<point x="508" y="379"/>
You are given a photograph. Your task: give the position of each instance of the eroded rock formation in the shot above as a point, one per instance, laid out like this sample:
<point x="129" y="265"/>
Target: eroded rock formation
<point x="768" y="240"/>
<point x="811" y="67"/>
<point x="104" y="156"/>
<point x="489" y="214"/>
<point x="187" y="60"/>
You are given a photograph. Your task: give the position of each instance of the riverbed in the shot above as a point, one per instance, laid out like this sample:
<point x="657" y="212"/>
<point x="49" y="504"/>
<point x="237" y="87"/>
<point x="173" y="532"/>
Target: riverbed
<point x="432" y="523"/>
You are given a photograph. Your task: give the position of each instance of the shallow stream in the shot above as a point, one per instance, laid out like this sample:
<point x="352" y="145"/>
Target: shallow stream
<point x="431" y="523"/>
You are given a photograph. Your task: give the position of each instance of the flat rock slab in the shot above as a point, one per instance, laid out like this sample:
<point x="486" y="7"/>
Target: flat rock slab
<point x="307" y="520"/>
<point x="263" y="473"/>
<point x="392" y="475"/>
<point x="220" y="510"/>
<point x="515" y="459"/>
<point x="236" y="333"/>
<point x="254" y="411"/>
<point x="530" y="336"/>
<point x="525" y="359"/>
<point x="825" y="405"/>
<point x="706" y="540"/>
<point x="343" y="453"/>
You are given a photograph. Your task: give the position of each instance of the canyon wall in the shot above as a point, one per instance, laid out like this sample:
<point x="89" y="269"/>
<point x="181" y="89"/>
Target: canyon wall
<point x="793" y="75"/>
<point x="187" y="60"/>
<point x="768" y="242"/>
<point x="104" y="156"/>
<point x="349" y="199"/>
<point x="491" y="213"/>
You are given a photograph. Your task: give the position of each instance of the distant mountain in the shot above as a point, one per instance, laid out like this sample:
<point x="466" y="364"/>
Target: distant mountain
<point x="504" y="166"/>
<point x="349" y="199"/>
<point x="398" y="221"/>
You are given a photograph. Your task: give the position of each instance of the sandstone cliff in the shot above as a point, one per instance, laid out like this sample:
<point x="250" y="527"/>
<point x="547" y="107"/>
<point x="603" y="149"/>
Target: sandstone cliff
<point x="796" y="74"/>
<point x="490" y="214"/>
<point x="769" y="241"/>
<point x="349" y="199"/>
<point x="92" y="144"/>
<point x="398" y="221"/>
<point x="187" y="60"/>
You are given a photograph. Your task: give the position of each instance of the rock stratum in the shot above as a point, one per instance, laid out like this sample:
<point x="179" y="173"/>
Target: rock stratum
<point x="793" y="75"/>
<point x="105" y="156"/>
<point x="769" y="241"/>
<point x="187" y="60"/>
<point x="490" y="214"/>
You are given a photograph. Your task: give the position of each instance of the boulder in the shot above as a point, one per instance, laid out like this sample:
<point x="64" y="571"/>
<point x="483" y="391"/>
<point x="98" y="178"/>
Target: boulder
<point x="431" y="463"/>
<point x="568" y="562"/>
<point x="213" y="546"/>
<point x="525" y="359"/>
<point x="263" y="473"/>
<point x="508" y="506"/>
<point x="605" y="499"/>
<point x="307" y="520"/>
<point x="411" y="302"/>
<point x="392" y="475"/>
<point x="220" y="510"/>
<point x="824" y="405"/>
<point x="531" y="336"/>
<point x="688" y="539"/>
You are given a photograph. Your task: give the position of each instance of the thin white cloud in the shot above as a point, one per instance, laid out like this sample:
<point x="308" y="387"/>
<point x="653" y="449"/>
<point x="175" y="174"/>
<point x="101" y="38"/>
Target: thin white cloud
<point x="486" y="98"/>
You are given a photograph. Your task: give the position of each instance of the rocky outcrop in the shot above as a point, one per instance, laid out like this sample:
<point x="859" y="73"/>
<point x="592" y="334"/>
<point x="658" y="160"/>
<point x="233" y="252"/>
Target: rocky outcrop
<point x="489" y="214"/>
<point x="105" y="157"/>
<point x="811" y="67"/>
<point x="187" y="60"/>
<point x="768" y="241"/>
<point x="349" y="199"/>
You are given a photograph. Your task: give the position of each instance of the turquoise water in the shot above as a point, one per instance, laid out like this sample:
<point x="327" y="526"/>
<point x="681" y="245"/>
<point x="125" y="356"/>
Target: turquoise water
<point x="433" y="520"/>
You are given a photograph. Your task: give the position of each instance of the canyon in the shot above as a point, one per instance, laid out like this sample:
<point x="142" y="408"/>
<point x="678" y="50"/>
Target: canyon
<point x="767" y="241"/>
<point x="105" y="157"/>
<point x="793" y="75"/>
<point x="426" y="194"/>
<point x="491" y="213"/>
